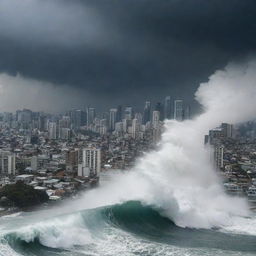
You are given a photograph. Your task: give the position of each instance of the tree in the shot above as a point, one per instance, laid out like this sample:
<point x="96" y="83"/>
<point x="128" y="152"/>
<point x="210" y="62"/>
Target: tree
<point x="22" y="195"/>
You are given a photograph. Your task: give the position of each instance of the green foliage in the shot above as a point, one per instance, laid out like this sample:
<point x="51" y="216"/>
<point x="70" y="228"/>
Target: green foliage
<point x="22" y="195"/>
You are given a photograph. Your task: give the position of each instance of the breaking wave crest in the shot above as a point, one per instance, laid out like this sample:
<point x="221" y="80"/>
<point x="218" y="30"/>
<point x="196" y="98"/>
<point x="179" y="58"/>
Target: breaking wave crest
<point x="131" y="220"/>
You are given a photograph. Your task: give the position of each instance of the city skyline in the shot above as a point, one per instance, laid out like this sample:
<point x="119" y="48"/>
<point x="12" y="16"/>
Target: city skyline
<point x="127" y="127"/>
<point x="76" y="52"/>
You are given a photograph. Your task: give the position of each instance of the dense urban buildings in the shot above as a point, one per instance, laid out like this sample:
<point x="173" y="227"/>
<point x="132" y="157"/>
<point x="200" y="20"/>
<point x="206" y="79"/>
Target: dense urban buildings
<point x="60" y="152"/>
<point x="233" y="153"/>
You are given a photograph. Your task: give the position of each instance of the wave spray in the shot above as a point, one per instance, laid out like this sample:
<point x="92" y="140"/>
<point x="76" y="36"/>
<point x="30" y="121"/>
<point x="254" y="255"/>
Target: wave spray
<point x="178" y="178"/>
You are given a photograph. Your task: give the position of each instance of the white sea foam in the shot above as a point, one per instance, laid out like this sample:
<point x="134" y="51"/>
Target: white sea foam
<point x="61" y="232"/>
<point x="178" y="177"/>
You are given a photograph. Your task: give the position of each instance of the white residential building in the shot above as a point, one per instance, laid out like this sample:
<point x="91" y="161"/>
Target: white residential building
<point x="7" y="163"/>
<point x="90" y="162"/>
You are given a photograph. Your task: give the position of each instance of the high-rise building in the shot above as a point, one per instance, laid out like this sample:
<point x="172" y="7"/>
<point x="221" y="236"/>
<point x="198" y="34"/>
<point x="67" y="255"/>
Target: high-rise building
<point x="157" y="129"/>
<point x="7" y="163"/>
<point x="135" y="128"/>
<point x="24" y="118"/>
<point x="42" y="122"/>
<point x="119" y="128"/>
<point x="167" y="107"/>
<point x="138" y="116"/>
<point x="103" y="126"/>
<point x="112" y="118"/>
<point x="218" y="156"/>
<point x="147" y="112"/>
<point x="227" y="130"/>
<point x="128" y="113"/>
<point x="91" y="162"/>
<point x="155" y="118"/>
<point x="119" y="114"/>
<point x="178" y="110"/>
<point x="76" y="118"/>
<point x="65" y="133"/>
<point x="160" y="109"/>
<point x="91" y="114"/>
<point x="187" y="114"/>
<point x="215" y="136"/>
<point x="52" y="130"/>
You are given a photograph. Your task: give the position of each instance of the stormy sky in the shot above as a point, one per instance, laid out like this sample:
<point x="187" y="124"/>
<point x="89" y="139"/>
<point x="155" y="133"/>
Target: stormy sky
<point x="59" y="54"/>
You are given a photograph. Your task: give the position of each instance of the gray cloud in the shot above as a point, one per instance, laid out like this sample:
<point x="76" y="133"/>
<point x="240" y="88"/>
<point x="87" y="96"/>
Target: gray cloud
<point x="124" y="51"/>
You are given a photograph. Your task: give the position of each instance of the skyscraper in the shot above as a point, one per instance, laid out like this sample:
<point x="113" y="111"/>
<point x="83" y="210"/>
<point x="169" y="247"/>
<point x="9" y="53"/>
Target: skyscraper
<point x="167" y="107"/>
<point x="76" y="117"/>
<point x="178" y="110"/>
<point x="187" y="113"/>
<point x="119" y="114"/>
<point x="52" y="129"/>
<point x="128" y="113"/>
<point x="160" y="109"/>
<point x="227" y="130"/>
<point x="90" y="116"/>
<point x="146" y="112"/>
<point x="112" y="118"/>
<point x="155" y="118"/>
<point x="135" y="128"/>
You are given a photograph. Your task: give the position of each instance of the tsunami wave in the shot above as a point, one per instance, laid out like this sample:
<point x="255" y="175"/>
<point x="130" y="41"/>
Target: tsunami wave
<point x="172" y="202"/>
<point x="117" y="228"/>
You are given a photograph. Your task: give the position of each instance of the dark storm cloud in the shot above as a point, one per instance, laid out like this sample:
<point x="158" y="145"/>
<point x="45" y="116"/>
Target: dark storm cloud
<point x="126" y="50"/>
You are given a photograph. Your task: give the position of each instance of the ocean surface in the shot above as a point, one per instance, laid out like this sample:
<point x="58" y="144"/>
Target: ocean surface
<point x="127" y="228"/>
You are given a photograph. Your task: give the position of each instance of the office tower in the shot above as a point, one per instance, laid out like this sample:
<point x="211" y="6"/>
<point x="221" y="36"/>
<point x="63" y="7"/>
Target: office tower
<point x="218" y="156"/>
<point x="76" y="118"/>
<point x="42" y="123"/>
<point x="156" y="126"/>
<point x="83" y="118"/>
<point x="160" y="109"/>
<point x="178" y="110"/>
<point x="112" y="118"/>
<point x="167" y="107"/>
<point x="135" y="128"/>
<point x="155" y="118"/>
<point x="119" y="114"/>
<point x="91" y="162"/>
<point x="64" y="122"/>
<point x="227" y="130"/>
<point x="187" y="114"/>
<point x="7" y="163"/>
<point x="52" y="129"/>
<point x="147" y="112"/>
<point x="128" y="113"/>
<point x="138" y="116"/>
<point x="90" y="115"/>
<point x="119" y="128"/>
<point x="24" y="118"/>
<point x="126" y="124"/>
<point x="215" y="135"/>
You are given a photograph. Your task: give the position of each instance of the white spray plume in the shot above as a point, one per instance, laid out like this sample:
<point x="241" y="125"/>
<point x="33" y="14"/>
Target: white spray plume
<point x="184" y="182"/>
<point x="178" y="178"/>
